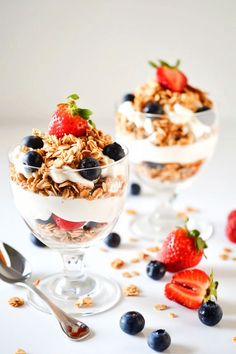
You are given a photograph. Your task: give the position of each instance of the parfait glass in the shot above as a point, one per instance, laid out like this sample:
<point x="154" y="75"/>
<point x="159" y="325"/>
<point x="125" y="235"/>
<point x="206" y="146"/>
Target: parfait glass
<point x="167" y="169"/>
<point x="92" y="215"/>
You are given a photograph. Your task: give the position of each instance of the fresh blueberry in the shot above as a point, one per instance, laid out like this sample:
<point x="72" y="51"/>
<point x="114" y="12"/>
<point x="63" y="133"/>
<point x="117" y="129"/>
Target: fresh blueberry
<point x="90" y="173"/>
<point x="156" y="270"/>
<point x="114" y="151"/>
<point x="113" y="240"/>
<point x="210" y="313"/>
<point x="132" y="322"/>
<point x="153" y="108"/>
<point x="128" y="97"/>
<point x="32" y="141"/>
<point x="45" y="222"/>
<point x="36" y="241"/>
<point x="159" y="340"/>
<point x="90" y="225"/>
<point x="155" y="165"/>
<point x="135" y="189"/>
<point x="202" y="109"/>
<point x="32" y="161"/>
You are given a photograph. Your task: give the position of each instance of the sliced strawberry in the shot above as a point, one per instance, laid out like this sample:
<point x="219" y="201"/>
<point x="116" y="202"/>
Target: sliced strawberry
<point x="67" y="225"/>
<point x="190" y="288"/>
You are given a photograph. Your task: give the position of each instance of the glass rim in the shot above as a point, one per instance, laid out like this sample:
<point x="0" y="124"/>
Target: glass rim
<point x="70" y="170"/>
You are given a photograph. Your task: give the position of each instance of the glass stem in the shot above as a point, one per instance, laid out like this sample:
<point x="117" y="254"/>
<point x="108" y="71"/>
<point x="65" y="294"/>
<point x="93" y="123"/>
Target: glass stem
<point x="164" y="210"/>
<point x="73" y="265"/>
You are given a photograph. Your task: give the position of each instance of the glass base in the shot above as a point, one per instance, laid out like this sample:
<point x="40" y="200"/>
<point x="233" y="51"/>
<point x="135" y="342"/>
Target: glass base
<point x="104" y="293"/>
<point x="156" y="229"/>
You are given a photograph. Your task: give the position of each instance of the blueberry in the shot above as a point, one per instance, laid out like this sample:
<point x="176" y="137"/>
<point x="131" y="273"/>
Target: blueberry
<point x="132" y="322"/>
<point x="113" y="240"/>
<point x="32" y="161"/>
<point x="202" y="109"/>
<point x="153" y="108"/>
<point x="114" y="151"/>
<point x="90" y="225"/>
<point x="36" y="241"/>
<point x="158" y="166"/>
<point x="90" y="174"/>
<point x="159" y="340"/>
<point x="210" y="313"/>
<point x="135" y="189"/>
<point x="32" y="141"/>
<point x="128" y="97"/>
<point x="156" y="270"/>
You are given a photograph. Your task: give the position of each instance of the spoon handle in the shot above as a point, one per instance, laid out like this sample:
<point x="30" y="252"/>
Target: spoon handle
<point x="73" y="328"/>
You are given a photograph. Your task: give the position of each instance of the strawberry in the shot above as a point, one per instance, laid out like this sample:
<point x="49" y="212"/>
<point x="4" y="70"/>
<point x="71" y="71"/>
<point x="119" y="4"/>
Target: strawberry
<point x="231" y="229"/>
<point x="191" y="288"/>
<point x="169" y="76"/>
<point x="181" y="249"/>
<point x="232" y="215"/>
<point x="67" y="225"/>
<point x="69" y="119"/>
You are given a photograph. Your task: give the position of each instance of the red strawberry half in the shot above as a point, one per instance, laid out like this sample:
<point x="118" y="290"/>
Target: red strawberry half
<point x="181" y="249"/>
<point x="191" y="288"/>
<point x="67" y="225"/>
<point x="69" y="119"/>
<point x="169" y="76"/>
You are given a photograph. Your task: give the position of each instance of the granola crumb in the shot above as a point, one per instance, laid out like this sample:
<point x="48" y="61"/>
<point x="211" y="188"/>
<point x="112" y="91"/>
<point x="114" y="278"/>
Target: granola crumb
<point x="182" y="215"/>
<point x="172" y="315"/>
<point x="153" y="249"/>
<point x="103" y="249"/>
<point x="160" y="307"/>
<point x="16" y="301"/>
<point x="20" y="351"/>
<point x="135" y="273"/>
<point x="126" y="275"/>
<point x="234" y="339"/>
<point x="131" y="290"/>
<point x="84" y="302"/>
<point x="224" y="257"/>
<point x="143" y="256"/>
<point x="133" y="239"/>
<point x="192" y="210"/>
<point x="227" y="250"/>
<point x="234" y="259"/>
<point x="131" y="211"/>
<point x="36" y="282"/>
<point x="117" y="263"/>
<point x="135" y="260"/>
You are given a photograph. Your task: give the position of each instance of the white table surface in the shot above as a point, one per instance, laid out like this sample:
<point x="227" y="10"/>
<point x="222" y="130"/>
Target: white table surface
<point x="38" y="333"/>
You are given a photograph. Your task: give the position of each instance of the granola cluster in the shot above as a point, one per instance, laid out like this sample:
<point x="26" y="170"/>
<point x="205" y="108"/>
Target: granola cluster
<point x="69" y="151"/>
<point x="169" y="172"/>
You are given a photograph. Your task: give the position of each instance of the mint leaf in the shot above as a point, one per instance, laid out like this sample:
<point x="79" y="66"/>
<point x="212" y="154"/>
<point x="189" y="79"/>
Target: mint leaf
<point x="73" y="96"/>
<point x="85" y="113"/>
<point x="153" y="64"/>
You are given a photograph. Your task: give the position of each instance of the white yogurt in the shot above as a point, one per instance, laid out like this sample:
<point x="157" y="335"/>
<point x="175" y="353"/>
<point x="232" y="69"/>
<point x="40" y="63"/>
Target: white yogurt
<point x="34" y="206"/>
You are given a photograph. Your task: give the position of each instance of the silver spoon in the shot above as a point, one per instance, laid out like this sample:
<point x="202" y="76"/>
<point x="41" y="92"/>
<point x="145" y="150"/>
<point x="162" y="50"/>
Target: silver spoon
<point x="15" y="269"/>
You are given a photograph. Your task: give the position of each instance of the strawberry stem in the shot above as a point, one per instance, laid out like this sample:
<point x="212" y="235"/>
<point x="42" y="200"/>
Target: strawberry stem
<point x="200" y="244"/>
<point x="212" y="289"/>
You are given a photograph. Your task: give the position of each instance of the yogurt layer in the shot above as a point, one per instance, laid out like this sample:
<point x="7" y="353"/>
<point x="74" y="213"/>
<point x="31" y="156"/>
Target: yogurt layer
<point x="35" y="206"/>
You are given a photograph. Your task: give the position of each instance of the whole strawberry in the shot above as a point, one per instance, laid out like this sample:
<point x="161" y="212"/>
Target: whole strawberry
<point x="69" y="119"/>
<point x="191" y="287"/>
<point x="169" y="76"/>
<point x="181" y="249"/>
<point x="231" y="226"/>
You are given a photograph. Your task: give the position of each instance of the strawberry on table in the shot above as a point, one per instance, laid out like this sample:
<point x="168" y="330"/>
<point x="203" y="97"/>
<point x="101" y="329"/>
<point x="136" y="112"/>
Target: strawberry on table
<point x="191" y="288"/>
<point x="231" y="226"/>
<point x="169" y="76"/>
<point x="181" y="249"/>
<point x="69" y="119"/>
<point x="67" y="225"/>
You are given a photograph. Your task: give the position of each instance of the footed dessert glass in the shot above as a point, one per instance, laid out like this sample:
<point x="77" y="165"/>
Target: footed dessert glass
<point x="166" y="169"/>
<point x="70" y="225"/>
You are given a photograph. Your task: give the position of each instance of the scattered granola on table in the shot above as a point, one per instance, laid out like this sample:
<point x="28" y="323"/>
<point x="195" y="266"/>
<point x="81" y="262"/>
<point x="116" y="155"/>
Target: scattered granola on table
<point x="16" y="301"/>
<point x="84" y="302"/>
<point x="117" y="263"/>
<point x="131" y="290"/>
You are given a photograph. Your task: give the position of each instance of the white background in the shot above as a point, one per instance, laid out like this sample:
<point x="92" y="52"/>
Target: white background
<point x="100" y="49"/>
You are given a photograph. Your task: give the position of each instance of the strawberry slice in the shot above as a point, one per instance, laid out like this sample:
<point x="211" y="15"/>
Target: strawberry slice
<point x="69" y="119"/>
<point x="191" y="288"/>
<point x="67" y="225"/>
<point x="169" y="76"/>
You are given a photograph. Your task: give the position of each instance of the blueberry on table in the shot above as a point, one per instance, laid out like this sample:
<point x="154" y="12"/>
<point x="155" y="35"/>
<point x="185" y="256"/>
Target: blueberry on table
<point x="210" y="313"/>
<point x="32" y="141"/>
<point x="114" y="151"/>
<point x="90" y="173"/>
<point x="153" y="108"/>
<point x="135" y="189"/>
<point x="202" y="109"/>
<point x="132" y="322"/>
<point x="156" y="270"/>
<point x="32" y="161"/>
<point x="128" y="97"/>
<point x="112" y="240"/>
<point x="159" y="340"/>
<point x="36" y="241"/>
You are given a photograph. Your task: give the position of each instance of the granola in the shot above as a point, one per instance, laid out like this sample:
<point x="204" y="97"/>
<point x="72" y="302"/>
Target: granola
<point x="84" y="302"/>
<point x="131" y="290"/>
<point x="117" y="263"/>
<point x="16" y="301"/>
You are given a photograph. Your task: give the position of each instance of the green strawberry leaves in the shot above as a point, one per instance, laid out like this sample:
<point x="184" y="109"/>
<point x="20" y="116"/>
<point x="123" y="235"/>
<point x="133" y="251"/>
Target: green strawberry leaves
<point x="200" y="244"/>
<point x="212" y="289"/>
<point x="73" y="96"/>
<point x="164" y="63"/>
<point x="82" y="112"/>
